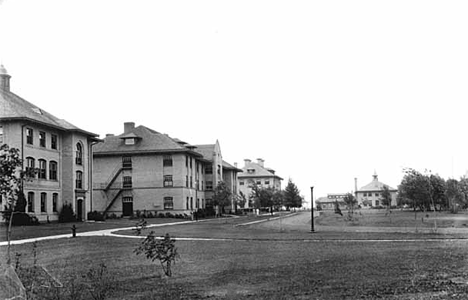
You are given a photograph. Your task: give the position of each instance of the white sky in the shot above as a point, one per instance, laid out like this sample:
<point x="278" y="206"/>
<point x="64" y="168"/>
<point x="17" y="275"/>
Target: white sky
<point x="324" y="91"/>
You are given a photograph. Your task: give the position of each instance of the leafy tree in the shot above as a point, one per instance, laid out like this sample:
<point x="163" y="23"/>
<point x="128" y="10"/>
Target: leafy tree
<point x="11" y="180"/>
<point x="278" y="199"/>
<point x="292" y="197"/>
<point x="386" y="196"/>
<point x="162" y="249"/>
<point x="350" y="201"/>
<point x="221" y="197"/>
<point x="263" y="197"/>
<point x="438" y="191"/>
<point x="417" y="188"/>
<point x="241" y="200"/>
<point x="463" y="184"/>
<point x="455" y="195"/>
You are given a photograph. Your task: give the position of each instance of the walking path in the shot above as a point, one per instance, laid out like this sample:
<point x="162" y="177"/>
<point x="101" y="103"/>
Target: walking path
<point x="299" y="222"/>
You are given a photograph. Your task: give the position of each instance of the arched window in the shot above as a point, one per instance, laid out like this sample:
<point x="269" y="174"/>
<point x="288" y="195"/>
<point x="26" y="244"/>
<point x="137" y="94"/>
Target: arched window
<point x="79" y="154"/>
<point x="79" y="179"/>
<point x="41" y="171"/>
<point x="53" y="170"/>
<point x="30" y="166"/>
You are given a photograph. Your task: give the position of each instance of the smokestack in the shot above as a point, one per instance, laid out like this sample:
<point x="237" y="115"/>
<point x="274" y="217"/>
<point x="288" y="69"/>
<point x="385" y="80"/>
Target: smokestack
<point x="129" y="126"/>
<point x="355" y="186"/>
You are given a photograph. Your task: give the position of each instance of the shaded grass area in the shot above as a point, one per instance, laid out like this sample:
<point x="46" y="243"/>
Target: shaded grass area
<point x="267" y="269"/>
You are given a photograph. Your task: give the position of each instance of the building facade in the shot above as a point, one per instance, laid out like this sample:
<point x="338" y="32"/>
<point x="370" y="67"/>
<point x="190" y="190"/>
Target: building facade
<point x="370" y="195"/>
<point x="330" y="201"/>
<point x="59" y="153"/>
<point x="258" y="174"/>
<point x="144" y="170"/>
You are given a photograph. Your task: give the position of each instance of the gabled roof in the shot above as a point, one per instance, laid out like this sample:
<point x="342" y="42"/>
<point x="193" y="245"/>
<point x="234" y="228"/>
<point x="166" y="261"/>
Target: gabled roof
<point x="256" y="171"/>
<point x="13" y="107"/>
<point x="226" y="165"/>
<point x="208" y="150"/>
<point x="375" y="185"/>
<point x="148" y="141"/>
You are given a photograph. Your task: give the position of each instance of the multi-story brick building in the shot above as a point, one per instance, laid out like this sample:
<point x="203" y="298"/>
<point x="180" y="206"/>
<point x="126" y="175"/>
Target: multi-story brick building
<point x="58" y="151"/>
<point x="257" y="173"/>
<point x="144" y="170"/>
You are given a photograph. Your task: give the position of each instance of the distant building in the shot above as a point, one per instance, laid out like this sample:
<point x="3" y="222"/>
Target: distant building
<point x="257" y="173"/>
<point x="142" y="169"/>
<point x="330" y="201"/>
<point x="370" y="195"/>
<point x="59" y="152"/>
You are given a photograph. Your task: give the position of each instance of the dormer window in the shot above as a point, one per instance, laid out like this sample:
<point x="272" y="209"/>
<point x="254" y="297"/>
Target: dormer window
<point x="250" y="171"/>
<point x="130" y="141"/>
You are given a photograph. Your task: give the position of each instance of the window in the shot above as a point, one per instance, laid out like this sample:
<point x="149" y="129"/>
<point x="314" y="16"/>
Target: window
<point x="29" y="136"/>
<point x="190" y="162"/>
<point x="241" y="183"/>
<point x="54" y="202"/>
<point x="186" y="181"/>
<point x="42" y="138"/>
<point x="79" y="154"/>
<point x="79" y="179"/>
<point x="267" y="181"/>
<point x="259" y="182"/>
<point x="53" y="141"/>
<point x="30" y="166"/>
<point x="186" y="203"/>
<point x="53" y="170"/>
<point x="43" y="202"/>
<point x="186" y="161"/>
<point x="168" y="181"/>
<point x="376" y="194"/>
<point x="168" y="203"/>
<point x="1" y="135"/>
<point x="126" y="162"/>
<point x="41" y="172"/>
<point x="191" y="182"/>
<point x="127" y="182"/>
<point x="167" y="161"/>
<point x="208" y="170"/>
<point x="209" y="185"/>
<point x="129" y="141"/>
<point x="219" y="169"/>
<point x="31" y="202"/>
<point x="191" y="203"/>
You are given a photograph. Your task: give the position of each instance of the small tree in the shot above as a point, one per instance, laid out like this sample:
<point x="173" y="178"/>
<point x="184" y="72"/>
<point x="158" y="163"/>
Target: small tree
<point x="221" y="197"/>
<point x="11" y="179"/>
<point x="162" y="249"/>
<point x="291" y="195"/>
<point x="455" y="195"/>
<point x="350" y="201"/>
<point x="386" y="196"/>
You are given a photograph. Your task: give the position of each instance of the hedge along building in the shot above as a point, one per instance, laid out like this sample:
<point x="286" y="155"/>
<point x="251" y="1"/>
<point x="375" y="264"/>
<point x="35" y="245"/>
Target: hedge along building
<point x="144" y="170"/>
<point x="59" y="152"/>
<point x="370" y="195"/>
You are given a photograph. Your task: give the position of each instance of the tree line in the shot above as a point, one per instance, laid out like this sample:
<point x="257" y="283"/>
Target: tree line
<point x="427" y="191"/>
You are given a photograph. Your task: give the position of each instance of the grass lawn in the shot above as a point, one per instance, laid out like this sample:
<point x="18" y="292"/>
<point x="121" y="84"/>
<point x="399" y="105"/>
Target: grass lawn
<point x="265" y="269"/>
<point x="278" y="259"/>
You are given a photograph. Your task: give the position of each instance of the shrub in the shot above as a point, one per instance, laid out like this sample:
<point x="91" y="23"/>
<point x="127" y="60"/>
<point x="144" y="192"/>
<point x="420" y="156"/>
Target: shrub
<point x="169" y="215"/>
<point x="96" y="216"/>
<point x="24" y="219"/>
<point x="67" y="214"/>
<point x="150" y="215"/>
<point x="161" y="215"/>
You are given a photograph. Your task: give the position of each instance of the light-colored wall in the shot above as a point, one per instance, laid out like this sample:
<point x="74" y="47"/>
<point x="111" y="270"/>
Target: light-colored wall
<point x="64" y="155"/>
<point x="375" y="199"/>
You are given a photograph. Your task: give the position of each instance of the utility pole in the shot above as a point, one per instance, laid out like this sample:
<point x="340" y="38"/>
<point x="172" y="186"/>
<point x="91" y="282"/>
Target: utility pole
<point x="312" y="209"/>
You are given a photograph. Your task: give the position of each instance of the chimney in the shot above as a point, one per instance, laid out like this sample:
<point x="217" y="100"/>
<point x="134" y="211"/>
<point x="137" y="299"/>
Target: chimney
<point x="235" y="164"/>
<point x="4" y="79"/>
<point x="260" y="161"/>
<point x="246" y="162"/>
<point x="129" y="126"/>
<point x="109" y="134"/>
